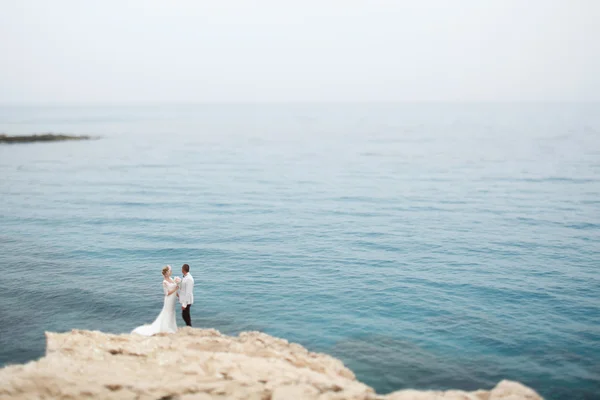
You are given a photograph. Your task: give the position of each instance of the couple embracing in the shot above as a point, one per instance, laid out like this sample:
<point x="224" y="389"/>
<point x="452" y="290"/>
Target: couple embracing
<point x="173" y="288"/>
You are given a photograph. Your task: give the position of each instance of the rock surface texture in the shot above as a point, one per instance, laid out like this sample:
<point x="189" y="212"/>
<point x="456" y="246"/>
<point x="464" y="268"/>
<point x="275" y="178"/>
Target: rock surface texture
<point x="200" y="364"/>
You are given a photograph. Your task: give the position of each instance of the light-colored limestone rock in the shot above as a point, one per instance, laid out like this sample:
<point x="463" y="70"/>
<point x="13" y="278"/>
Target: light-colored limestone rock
<point x="200" y="364"/>
<point x="505" y="390"/>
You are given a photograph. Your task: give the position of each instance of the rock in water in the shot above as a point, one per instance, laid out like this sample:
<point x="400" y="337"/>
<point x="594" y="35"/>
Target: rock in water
<point x="200" y="364"/>
<point x="47" y="137"/>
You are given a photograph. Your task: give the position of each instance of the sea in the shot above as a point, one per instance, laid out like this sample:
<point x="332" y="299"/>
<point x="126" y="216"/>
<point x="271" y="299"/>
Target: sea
<point x="426" y="245"/>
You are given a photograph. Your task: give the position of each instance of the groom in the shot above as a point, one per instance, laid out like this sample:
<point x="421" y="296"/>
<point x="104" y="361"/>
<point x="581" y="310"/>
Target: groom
<point x="186" y="294"/>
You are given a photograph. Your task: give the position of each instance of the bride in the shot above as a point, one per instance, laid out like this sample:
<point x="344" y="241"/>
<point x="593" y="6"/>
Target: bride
<point x="165" y="322"/>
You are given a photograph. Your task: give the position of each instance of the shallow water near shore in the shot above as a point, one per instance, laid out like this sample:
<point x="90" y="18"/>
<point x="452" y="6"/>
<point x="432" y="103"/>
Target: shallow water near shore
<point x="426" y="245"/>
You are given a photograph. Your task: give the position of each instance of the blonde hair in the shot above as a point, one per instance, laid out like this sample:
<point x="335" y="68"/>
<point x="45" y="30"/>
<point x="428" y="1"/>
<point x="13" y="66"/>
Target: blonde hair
<point x="165" y="269"/>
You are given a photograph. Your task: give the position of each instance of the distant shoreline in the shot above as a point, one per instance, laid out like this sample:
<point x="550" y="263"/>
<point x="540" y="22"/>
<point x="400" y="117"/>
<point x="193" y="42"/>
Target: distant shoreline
<point x="47" y="137"/>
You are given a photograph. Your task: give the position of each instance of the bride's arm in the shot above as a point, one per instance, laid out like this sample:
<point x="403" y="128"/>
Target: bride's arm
<point x="166" y="289"/>
<point x="172" y="291"/>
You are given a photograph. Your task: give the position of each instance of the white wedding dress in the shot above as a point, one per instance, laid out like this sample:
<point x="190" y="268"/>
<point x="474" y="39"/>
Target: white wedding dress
<point x="165" y="322"/>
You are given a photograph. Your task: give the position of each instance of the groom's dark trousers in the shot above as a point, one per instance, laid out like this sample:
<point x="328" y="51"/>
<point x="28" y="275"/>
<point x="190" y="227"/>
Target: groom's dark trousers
<point x="186" y="315"/>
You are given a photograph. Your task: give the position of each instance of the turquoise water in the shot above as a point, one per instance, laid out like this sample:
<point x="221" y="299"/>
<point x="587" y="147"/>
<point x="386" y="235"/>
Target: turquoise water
<point x="427" y="245"/>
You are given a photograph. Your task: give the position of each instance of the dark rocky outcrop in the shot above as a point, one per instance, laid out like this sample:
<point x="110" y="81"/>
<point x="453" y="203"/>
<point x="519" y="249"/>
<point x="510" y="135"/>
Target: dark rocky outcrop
<point x="47" y="137"/>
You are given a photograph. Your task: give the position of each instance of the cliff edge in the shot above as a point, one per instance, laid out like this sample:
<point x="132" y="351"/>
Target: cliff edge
<point x="201" y="364"/>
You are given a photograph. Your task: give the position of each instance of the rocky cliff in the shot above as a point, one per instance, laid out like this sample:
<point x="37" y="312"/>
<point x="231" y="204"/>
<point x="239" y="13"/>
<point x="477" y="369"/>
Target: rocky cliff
<point x="200" y="364"/>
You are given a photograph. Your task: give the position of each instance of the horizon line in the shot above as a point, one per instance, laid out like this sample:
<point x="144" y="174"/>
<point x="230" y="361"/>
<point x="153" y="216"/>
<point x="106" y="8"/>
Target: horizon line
<point x="287" y="102"/>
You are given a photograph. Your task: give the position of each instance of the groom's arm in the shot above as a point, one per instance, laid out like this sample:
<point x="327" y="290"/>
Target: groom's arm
<point x="183" y="297"/>
<point x="187" y="296"/>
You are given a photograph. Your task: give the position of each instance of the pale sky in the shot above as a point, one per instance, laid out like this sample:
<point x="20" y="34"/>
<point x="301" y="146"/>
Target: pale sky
<point x="127" y="51"/>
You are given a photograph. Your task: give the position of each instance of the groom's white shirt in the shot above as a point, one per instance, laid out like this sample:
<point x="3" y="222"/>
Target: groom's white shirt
<point x="186" y="291"/>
